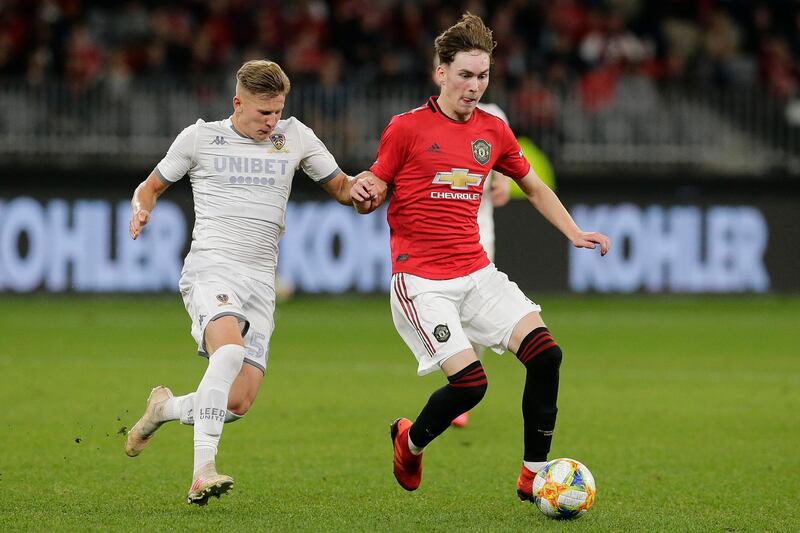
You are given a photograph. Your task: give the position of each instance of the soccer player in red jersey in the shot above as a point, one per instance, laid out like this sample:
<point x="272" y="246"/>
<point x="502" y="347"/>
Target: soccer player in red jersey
<point x="445" y="293"/>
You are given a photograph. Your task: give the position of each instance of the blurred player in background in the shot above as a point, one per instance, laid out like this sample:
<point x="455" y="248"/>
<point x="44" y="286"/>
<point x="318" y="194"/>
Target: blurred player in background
<point x="241" y="171"/>
<point x="445" y="292"/>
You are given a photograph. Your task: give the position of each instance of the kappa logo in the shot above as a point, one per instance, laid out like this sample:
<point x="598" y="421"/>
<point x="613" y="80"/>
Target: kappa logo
<point x="442" y="333"/>
<point x="481" y="151"/>
<point x="219" y="140"/>
<point x="460" y="179"/>
<point x="278" y="141"/>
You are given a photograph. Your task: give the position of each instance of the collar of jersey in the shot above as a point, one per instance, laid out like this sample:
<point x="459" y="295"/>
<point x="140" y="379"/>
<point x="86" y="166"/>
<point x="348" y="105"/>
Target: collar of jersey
<point x="240" y="134"/>
<point x="433" y="104"/>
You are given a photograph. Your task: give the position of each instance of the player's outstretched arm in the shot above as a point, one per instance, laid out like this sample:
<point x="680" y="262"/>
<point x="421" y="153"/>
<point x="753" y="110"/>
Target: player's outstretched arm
<point x="144" y="201"/>
<point x="339" y="188"/>
<point x="548" y="204"/>
<point x="368" y="192"/>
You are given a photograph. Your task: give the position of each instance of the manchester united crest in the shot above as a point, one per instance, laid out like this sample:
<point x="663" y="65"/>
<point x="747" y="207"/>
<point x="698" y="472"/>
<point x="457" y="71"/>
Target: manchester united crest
<point x="278" y="140"/>
<point x="481" y="151"/>
<point x="442" y="333"/>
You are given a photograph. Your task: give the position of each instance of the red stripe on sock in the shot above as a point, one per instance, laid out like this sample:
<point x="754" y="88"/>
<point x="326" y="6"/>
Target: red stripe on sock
<point x="472" y="378"/>
<point x="530" y="354"/>
<point x="534" y="344"/>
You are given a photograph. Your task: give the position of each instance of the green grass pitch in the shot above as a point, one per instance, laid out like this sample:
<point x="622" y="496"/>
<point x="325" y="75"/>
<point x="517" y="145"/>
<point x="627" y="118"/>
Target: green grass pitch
<point x="687" y="411"/>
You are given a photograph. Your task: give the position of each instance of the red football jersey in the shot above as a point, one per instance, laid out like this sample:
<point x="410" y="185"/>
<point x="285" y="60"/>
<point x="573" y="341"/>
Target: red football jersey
<point x="437" y="167"/>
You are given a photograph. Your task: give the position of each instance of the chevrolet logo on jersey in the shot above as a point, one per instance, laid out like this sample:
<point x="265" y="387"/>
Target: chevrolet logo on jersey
<point x="459" y="179"/>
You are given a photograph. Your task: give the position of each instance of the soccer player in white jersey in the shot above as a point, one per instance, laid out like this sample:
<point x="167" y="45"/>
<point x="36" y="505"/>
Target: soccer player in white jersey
<point x="241" y="171"/>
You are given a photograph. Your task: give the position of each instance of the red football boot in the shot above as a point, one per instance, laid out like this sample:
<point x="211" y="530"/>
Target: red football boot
<point x="461" y="420"/>
<point x="407" y="466"/>
<point x="525" y="484"/>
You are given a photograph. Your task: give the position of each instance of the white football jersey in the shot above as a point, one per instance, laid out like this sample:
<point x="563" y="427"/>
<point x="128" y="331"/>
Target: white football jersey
<point x="241" y="187"/>
<point x="486" y="209"/>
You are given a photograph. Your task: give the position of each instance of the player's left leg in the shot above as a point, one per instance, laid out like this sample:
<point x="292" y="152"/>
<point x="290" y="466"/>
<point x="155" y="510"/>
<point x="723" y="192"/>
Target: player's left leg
<point x="535" y="348"/>
<point x="225" y="346"/>
<point x="502" y="318"/>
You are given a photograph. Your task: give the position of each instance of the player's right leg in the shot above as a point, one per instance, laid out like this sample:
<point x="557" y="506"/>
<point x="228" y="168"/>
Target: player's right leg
<point x="462" y="420"/>
<point x="163" y="406"/>
<point x="141" y="432"/>
<point x="426" y="316"/>
<point x="466" y="387"/>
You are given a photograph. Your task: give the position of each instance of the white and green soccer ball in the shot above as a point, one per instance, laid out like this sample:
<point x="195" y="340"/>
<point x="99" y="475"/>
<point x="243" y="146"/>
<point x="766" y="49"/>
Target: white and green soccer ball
<point x="564" y="488"/>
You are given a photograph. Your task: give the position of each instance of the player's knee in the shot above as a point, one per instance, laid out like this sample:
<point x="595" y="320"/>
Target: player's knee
<point x="539" y="350"/>
<point x="471" y="384"/>
<point x="549" y="359"/>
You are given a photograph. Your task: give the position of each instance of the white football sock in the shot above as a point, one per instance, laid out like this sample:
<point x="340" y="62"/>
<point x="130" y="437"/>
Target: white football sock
<point x="416" y="450"/>
<point x="211" y="401"/>
<point x="534" y="466"/>
<point x="182" y="408"/>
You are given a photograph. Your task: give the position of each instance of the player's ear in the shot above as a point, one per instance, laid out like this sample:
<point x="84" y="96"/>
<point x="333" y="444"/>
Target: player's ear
<point x="441" y="74"/>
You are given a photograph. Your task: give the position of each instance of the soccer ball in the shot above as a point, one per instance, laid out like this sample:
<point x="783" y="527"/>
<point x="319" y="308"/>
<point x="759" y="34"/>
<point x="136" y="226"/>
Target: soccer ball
<point x="564" y="488"/>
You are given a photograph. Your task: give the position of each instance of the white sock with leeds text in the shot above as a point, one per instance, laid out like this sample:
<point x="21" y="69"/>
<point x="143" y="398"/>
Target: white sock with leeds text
<point x="211" y="401"/>
<point x="182" y="408"/>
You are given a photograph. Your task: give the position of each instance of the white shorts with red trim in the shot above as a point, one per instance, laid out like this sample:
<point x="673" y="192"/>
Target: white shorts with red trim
<point x="440" y="318"/>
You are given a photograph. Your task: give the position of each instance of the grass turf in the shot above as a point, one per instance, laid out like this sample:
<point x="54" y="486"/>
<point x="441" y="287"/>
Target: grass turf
<point x="685" y="409"/>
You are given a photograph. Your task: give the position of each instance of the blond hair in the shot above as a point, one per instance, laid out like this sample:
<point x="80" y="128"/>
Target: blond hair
<point x="470" y="33"/>
<point x="263" y="77"/>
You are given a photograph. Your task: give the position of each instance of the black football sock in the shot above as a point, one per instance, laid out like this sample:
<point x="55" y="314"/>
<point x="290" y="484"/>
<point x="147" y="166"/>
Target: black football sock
<point x="463" y="392"/>
<point x="542" y="358"/>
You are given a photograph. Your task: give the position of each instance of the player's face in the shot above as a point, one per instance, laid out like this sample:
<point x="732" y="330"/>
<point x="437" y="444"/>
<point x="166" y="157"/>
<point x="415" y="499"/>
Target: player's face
<point x="463" y="82"/>
<point x="257" y="115"/>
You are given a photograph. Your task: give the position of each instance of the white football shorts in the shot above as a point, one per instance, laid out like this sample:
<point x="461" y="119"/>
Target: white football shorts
<point x="440" y="318"/>
<point x="209" y="294"/>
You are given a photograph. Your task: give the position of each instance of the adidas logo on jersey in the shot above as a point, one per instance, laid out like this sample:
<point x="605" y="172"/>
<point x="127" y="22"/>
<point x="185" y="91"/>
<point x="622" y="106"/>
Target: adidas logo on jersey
<point x="434" y="148"/>
<point x="219" y="140"/>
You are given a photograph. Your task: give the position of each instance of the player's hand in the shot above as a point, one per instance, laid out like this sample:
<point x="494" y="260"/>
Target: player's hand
<point x="363" y="190"/>
<point x="500" y="190"/>
<point x="138" y="221"/>
<point x="591" y="239"/>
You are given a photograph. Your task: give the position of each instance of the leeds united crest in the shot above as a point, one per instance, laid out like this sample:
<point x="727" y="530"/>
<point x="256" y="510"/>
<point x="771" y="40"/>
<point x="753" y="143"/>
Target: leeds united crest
<point x="481" y="151"/>
<point x="278" y="140"/>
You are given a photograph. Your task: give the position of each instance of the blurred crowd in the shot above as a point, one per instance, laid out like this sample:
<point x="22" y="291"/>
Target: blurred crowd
<point x="548" y="43"/>
<point x="609" y="55"/>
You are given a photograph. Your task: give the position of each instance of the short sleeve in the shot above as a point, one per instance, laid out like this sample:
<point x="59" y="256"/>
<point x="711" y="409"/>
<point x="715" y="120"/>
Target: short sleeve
<point x="317" y="162"/>
<point x="180" y="156"/>
<point x="511" y="162"/>
<point x="392" y="151"/>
